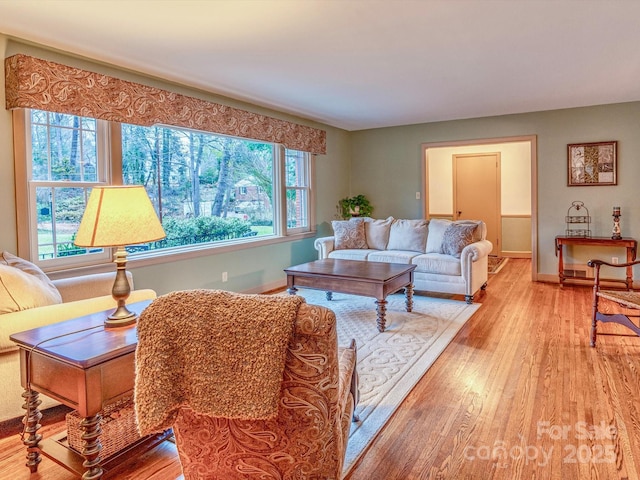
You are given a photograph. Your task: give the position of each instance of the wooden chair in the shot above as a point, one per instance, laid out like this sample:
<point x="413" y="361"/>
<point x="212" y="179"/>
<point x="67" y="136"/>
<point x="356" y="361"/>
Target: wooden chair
<point x="620" y="306"/>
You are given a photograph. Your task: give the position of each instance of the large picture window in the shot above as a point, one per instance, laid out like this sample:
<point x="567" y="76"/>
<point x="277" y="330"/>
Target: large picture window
<point x="207" y="189"/>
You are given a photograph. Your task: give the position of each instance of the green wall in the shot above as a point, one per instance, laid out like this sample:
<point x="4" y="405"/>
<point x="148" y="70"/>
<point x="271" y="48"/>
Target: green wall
<point x="249" y="270"/>
<point x="386" y="166"/>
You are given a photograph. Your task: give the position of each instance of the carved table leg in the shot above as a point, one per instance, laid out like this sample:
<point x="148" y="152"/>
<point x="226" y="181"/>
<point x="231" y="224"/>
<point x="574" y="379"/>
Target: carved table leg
<point x="381" y="309"/>
<point x="91" y="447"/>
<point x="408" y="290"/>
<point x="31" y="423"/>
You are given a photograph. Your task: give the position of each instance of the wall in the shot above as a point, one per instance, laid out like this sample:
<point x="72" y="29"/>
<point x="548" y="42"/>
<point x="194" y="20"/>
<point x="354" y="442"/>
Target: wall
<point x="386" y="166"/>
<point x="249" y="270"/>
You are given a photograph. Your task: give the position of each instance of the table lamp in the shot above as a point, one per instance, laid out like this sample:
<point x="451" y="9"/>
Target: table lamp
<point x="117" y="216"/>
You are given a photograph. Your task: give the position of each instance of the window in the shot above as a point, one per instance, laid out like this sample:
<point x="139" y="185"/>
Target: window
<point x="66" y="161"/>
<point x="207" y="189"/>
<point x="297" y="186"/>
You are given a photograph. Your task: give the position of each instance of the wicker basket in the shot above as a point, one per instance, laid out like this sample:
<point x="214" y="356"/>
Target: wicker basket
<point x="118" y="424"/>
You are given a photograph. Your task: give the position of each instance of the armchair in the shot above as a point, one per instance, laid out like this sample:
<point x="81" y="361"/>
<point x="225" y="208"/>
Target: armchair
<point x="620" y="306"/>
<point x="306" y="437"/>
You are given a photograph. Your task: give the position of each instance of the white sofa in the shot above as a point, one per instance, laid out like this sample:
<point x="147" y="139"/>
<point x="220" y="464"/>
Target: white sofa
<point x="451" y="257"/>
<point x="67" y="298"/>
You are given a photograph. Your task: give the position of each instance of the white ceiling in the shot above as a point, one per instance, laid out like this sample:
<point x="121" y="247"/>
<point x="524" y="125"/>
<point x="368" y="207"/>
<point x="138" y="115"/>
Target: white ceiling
<point x="358" y="64"/>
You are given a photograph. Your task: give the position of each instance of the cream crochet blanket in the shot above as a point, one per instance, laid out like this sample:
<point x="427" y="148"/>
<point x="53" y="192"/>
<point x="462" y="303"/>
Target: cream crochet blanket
<point x="220" y="353"/>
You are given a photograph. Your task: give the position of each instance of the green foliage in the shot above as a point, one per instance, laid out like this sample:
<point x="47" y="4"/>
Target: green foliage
<point x="70" y="207"/>
<point x="64" y="170"/>
<point x="347" y="207"/>
<point x="186" y="231"/>
<point x="68" y="249"/>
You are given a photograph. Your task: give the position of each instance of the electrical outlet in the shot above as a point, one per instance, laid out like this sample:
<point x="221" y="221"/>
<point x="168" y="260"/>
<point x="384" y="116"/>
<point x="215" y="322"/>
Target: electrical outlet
<point x="417" y="195"/>
<point x="224" y="276"/>
<point x="614" y="260"/>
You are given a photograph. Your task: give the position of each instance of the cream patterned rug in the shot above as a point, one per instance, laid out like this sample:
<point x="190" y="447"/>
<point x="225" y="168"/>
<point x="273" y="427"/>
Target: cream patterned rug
<point x="392" y="362"/>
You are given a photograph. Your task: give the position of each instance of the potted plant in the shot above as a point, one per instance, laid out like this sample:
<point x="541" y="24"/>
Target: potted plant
<point x="357" y="206"/>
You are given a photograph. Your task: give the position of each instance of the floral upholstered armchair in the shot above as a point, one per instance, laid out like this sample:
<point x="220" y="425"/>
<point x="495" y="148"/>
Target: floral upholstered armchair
<point x="306" y="438"/>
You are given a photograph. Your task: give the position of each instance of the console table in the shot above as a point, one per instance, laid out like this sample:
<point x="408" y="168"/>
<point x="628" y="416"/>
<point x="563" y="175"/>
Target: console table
<point x="629" y="243"/>
<point x="84" y="366"/>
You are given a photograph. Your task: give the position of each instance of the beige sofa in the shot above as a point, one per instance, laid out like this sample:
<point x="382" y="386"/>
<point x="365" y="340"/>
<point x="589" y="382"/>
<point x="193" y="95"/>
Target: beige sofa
<point x="78" y="296"/>
<point x="451" y="257"/>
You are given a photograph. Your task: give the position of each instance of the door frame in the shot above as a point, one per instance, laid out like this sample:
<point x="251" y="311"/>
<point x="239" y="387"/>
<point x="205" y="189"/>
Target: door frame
<point x="533" y="142"/>
<point x="498" y="222"/>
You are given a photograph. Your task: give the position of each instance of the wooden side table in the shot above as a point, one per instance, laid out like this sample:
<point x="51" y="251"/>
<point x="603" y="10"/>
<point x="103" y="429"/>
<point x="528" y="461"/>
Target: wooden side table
<point x="629" y="243"/>
<point x="84" y="366"/>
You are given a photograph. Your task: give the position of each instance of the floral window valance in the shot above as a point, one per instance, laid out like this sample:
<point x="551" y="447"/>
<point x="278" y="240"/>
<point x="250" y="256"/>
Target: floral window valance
<point x="36" y="83"/>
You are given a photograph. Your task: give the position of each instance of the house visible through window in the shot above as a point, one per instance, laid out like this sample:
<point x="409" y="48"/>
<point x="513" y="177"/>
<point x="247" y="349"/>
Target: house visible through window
<point x="207" y="189"/>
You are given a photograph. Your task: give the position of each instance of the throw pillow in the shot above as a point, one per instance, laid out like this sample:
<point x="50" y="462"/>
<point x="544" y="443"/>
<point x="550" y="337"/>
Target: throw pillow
<point x="477" y="233"/>
<point x="377" y="232"/>
<point x="408" y="235"/>
<point x="456" y="237"/>
<point x="23" y="285"/>
<point x="437" y="227"/>
<point x="349" y="234"/>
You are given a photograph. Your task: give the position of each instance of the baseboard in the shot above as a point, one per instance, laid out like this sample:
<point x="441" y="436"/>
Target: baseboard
<point x="548" y="278"/>
<point x="13" y="426"/>
<point x="268" y="287"/>
<point x="515" y="254"/>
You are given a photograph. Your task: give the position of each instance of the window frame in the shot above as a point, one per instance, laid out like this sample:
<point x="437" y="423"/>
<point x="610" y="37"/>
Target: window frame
<point x="307" y="188"/>
<point x="109" y="137"/>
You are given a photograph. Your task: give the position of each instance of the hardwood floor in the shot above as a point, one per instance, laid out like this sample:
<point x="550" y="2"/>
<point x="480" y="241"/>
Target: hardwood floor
<point x="518" y="394"/>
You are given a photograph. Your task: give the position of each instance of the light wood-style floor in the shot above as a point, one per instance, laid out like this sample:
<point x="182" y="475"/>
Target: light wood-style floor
<point x="518" y="394"/>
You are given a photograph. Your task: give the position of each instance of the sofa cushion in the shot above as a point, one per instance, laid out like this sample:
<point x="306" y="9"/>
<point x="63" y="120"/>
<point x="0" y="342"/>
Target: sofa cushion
<point x="437" y="226"/>
<point x="392" y="256"/>
<point x="437" y="263"/>
<point x="457" y="236"/>
<point x="377" y="232"/>
<point x="352" y="253"/>
<point x="408" y="235"/>
<point x="477" y="233"/>
<point x="23" y="285"/>
<point x="349" y="233"/>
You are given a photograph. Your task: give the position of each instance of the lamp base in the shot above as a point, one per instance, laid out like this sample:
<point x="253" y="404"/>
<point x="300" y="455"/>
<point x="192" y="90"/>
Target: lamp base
<point x="122" y="317"/>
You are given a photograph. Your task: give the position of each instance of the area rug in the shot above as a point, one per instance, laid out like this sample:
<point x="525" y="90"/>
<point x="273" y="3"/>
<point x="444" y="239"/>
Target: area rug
<point x="392" y="362"/>
<point x="496" y="263"/>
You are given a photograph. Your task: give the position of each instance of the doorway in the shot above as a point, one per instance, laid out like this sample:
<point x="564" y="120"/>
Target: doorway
<point x="518" y="228"/>
<point x="476" y="192"/>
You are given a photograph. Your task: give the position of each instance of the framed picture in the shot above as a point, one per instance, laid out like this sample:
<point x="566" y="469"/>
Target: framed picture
<point x="592" y="164"/>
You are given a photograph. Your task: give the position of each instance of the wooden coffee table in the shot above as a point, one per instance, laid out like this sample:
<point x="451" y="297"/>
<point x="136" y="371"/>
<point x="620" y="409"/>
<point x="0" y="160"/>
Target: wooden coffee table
<point x="369" y="279"/>
<point x="86" y="367"/>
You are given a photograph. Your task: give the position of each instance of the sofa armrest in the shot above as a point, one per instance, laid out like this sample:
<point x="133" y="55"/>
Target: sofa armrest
<point x="87" y="286"/>
<point x="22" y="320"/>
<point x="477" y="250"/>
<point x="325" y="246"/>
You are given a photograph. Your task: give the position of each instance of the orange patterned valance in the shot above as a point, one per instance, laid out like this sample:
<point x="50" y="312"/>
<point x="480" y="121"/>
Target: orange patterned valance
<point x="35" y="83"/>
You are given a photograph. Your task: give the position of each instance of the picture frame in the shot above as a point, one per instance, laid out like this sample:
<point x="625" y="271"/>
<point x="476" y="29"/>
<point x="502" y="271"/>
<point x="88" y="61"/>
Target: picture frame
<point x="591" y="164"/>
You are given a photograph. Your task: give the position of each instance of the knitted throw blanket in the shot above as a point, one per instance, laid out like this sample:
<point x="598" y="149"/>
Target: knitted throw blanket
<point x="220" y="353"/>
